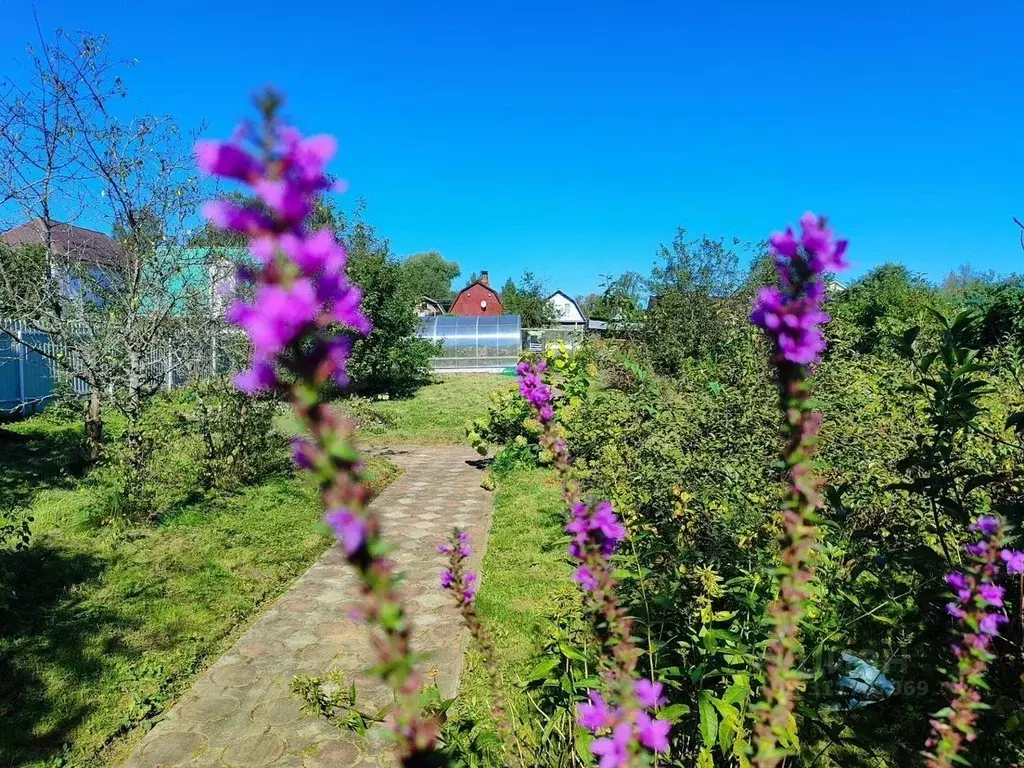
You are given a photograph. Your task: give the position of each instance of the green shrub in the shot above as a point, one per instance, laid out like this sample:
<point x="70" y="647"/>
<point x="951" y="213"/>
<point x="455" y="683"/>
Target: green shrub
<point x="145" y="472"/>
<point x="392" y="358"/>
<point x="365" y="415"/>
<point x="238" y="436"/>
<point x="509" y="424"/>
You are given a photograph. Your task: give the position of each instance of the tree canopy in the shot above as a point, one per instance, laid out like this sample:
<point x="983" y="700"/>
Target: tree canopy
<point x="431" y="274"/>
<point x="527" y="299"/>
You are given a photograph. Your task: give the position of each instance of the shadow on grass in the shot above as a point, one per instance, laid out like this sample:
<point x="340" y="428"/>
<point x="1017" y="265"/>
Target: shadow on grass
<point x="43" y="455"/>
<point x="48" y="643"/>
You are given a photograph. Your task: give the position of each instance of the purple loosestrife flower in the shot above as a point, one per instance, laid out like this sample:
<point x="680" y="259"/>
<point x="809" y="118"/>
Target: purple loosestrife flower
<point x="614" y="750"/>
<point x="595" y="714"/>
<point x="300" y="293"/>
<point x="227" y="160"/>
<point x="350" y="529"/>
<point x="977" y="611"/>
<point x="649" y="694"/>
<point x="462" y="583"/>
<point x="653" y="733"/>
<point x="1014" y="560"/>
<point x="596" y="533"/>
<point x="791" y="316"/>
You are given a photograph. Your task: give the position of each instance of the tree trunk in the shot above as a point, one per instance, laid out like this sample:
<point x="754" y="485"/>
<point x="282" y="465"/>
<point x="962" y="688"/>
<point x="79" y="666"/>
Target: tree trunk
<point x="94" y="423"/>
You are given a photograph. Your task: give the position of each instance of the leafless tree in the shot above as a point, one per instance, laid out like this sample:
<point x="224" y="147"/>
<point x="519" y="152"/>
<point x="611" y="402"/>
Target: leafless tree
<point x="122" y="315"/>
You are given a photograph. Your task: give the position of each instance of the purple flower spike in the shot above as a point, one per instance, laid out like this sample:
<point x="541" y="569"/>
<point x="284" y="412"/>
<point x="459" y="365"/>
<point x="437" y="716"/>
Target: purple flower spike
<point x="461" y="582"/>
<point x="228" y="160"/>
<point x="649" y="694"/>
<point x="978" y="614"/>
<point x="991" y="594"/>
<point x="585" y="578"/>
<point x="348" y="527"/>
<point x="988" y="525"/>
<point x="613" y="751"/>
<point x="593" y="715"/>
<point x="299" y="293"/>
<point x="1014" y="560"/>
<point x="653" y="733"/>
<point x="792" y="317"/>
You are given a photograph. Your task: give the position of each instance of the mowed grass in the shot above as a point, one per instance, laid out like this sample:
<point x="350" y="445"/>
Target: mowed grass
<point x="438" y="413"/>
<point x="526" y="580"/>
<point x="102" y="629"/>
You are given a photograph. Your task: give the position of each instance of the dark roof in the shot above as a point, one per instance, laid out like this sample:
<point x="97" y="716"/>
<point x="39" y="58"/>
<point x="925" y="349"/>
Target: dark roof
<point x="85" y="245"/>
<point x="482" y="285"/>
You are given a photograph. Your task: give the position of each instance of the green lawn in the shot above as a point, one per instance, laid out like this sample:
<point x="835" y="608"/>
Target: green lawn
<point x="105" y="627"/>
<point x="526" y="580"/>
<point x="439" y="412"/>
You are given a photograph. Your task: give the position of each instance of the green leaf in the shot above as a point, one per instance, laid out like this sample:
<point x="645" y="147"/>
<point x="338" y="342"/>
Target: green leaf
<point x="708" y="719"/>
<point x="569" y="652"/>
<point x="736" y="692"/>
<point x="674" y="712"/>
<point x="1015" y="421"/>
<point x="726" y="731"/>
<point x="582" y="745"/>
<point x="543" y="669"/>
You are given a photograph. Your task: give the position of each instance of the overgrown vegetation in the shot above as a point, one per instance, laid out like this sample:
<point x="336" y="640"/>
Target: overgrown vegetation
<point x="921" y="399"/>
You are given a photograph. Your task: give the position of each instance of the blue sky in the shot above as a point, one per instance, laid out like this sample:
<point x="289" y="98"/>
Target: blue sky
<point x="571" y="138"/>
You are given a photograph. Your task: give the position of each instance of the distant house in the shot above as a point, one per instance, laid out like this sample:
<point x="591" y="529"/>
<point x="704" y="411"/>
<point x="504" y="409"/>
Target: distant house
<point x="86" y="246"/>
<point x="477" y="299"/>
<point x="84" y="249"/>
<point x="429" y="307"/>
<point x="833" y="287"/>
<point x="212" y="272"/>
<point x="567" y="312"/>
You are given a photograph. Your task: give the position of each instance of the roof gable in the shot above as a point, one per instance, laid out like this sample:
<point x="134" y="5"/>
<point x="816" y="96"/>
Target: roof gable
<point x="571" y="301"/>
<point x="482" y="285"/>
<point x="85" y="245"/>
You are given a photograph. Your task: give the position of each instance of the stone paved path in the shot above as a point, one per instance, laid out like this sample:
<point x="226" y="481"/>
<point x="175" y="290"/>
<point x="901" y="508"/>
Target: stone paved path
<point x="241" y="711"/>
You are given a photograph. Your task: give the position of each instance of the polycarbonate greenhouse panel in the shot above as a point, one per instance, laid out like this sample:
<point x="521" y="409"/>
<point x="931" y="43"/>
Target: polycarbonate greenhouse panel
<point x="490" y="343"/>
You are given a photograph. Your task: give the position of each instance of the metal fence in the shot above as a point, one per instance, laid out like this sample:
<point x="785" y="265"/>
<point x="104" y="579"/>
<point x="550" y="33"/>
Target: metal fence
<point x="29" y="374"/>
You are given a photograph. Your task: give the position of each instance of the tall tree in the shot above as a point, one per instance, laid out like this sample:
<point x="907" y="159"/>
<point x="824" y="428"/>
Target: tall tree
<point x="431" y="274"/>
<point x="527" y="299"/>
<point x="693" y="291"/>
<point x="68" y="156"/>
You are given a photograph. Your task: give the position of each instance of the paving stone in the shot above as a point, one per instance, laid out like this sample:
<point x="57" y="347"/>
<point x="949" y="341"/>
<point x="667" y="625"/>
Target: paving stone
<point x="174" y="748"/>
<point x="278" y="711"/>
<point x="235" y="674"/>
<point x="253" y="751"/>
<point x="207" y="709"/>
<point x="332" y="753"/>
<point x="241" y="712"/>
<point x="431" y="600"/>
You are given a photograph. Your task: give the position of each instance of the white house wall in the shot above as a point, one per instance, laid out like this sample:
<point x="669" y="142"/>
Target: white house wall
<point x="565" y="310"/>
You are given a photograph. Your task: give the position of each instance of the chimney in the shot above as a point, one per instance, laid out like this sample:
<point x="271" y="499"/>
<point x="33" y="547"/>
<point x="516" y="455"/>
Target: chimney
<point x="485" y="279"/>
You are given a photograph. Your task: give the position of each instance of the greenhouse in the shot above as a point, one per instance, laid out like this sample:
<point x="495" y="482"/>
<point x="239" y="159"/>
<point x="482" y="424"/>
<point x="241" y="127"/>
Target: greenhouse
<point x="474" y="344"/>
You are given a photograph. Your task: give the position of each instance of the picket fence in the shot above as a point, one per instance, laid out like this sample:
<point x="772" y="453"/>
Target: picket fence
<point x="29" y="373"/>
